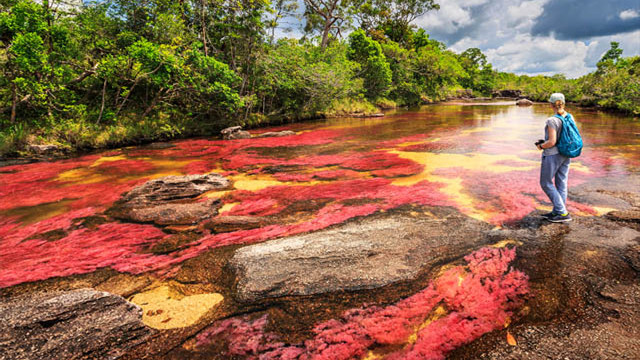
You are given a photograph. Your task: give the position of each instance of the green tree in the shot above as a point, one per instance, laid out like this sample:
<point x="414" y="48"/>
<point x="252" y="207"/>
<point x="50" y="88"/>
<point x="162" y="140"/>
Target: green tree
<point x="613" y="54"/>
<point x="393" y="17"/>
<point x="374" y="69"/>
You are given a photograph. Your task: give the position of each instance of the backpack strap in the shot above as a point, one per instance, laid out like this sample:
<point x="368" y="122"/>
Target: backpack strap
<point x="562" y="119"/>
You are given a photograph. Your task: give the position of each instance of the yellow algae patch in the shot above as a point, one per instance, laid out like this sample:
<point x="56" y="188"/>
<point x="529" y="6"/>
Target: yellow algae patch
<point x="227" y="207"/>
<point x="255" y="184"/>
<point x="601" y="210"/>
<point x="438" y="313"/>
<point x="579" y="167"/>
<point x="216" y="194"/>
<point x="411" y="143"/>
<point x="481" y="162"/>
<point x="372" y="356"/>
<point x="503" y="243"/>
<point x="168" y="167"/>
<point x="261" y="181"/>
<point x="108" y="159"/>
<point x="166" y="308"/>
<point x="33" y="214"/>
<point x="82" y="176"/>
<point x="456" y="192"/>
<point x="475" y="130"/>
<point x="590" y="253"/>
<point x="453" y="186"/>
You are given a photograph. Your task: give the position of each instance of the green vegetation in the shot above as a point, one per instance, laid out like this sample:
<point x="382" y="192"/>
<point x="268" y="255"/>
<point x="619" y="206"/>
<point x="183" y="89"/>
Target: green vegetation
<point x="126" y="71"/>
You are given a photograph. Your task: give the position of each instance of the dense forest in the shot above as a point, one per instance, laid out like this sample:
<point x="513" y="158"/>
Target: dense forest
<point x="125" y="71"/>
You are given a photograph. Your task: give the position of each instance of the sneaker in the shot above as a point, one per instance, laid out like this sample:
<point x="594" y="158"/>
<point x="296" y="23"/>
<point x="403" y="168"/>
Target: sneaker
<point x="556" y="218"/>
<point x="548" y="215"/>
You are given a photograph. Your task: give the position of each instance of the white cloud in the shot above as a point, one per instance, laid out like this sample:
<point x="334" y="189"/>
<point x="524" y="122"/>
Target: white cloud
<point x="629" y="14"/>
<point x="502" y="30"/>
<point x="448" y="19"/>
<point x="541" y="56"/>
<point x="522" y="16"/>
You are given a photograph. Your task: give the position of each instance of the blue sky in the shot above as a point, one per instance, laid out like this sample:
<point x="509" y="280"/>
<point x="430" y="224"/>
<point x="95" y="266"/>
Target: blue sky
<point x="536" y="36"/>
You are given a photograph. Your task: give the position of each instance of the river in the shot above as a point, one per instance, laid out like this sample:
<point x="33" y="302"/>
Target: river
<point x="478" y="158"/>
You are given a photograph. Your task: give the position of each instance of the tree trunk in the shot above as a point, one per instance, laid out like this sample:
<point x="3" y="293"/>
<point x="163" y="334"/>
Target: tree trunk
<point x="152" y="105"/>
<point x="204" y="30"/>
<point x="14" y="102"/>
<point x="104" y="90"/>
<point x="325" y="33"/>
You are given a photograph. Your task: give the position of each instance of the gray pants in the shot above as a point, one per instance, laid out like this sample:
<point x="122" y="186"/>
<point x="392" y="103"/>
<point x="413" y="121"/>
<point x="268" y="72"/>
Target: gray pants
<point x="555" y="167"/>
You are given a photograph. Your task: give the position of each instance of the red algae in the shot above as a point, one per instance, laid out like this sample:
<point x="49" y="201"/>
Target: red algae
<point x="82" y="250"/>
<point x="479" y="298"/>
<point x="338" y="166"/>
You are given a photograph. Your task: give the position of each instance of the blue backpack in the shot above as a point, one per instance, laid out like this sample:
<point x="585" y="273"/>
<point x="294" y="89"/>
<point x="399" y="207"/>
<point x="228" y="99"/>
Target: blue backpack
<point x="569" y="140"/>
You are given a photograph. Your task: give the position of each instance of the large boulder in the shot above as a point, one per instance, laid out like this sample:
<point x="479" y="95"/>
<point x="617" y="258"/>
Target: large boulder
<point x="171" y="200"/>
<point x="364" y="254"/>
<point x="46" y="149"/>
<point x="78" y="324"/>
<point x="524" y="102"/>
<point x="234" y="132"/>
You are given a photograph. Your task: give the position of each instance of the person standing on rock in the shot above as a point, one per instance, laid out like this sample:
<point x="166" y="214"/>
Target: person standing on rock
<point x="554" y="165"/>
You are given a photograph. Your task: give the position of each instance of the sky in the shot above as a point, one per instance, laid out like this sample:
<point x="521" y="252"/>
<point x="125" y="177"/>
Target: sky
<point x="535" y="37"/>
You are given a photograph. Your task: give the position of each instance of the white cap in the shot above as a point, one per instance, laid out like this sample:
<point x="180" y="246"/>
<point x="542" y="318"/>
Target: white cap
<point x="555" y="97"/>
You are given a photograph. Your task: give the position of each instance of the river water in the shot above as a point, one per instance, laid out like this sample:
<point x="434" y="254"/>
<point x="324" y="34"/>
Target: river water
<point x="476" y="157"/>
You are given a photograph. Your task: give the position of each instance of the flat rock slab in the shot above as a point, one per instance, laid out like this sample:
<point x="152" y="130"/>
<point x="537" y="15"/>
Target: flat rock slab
<point x="78" y="324"/>
<point x="364" y="254"/>
<point x="172" y="188"/>
<point x="619" y="194"/>
<point x="175" y="213"/>
<point x="171" y="200"/>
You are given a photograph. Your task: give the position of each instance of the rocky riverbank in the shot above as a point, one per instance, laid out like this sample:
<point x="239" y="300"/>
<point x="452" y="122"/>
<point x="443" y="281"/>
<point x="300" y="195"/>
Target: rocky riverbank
<point x="583" y="279"/>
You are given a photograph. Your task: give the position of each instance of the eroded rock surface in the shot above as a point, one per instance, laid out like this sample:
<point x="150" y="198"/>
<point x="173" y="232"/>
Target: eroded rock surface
<point x="364" y="254"/>
<point x="47" y="149"/>
<point x="234" y="132"/>
<point x="171" y="200"/>
<point x="78" y="324"/>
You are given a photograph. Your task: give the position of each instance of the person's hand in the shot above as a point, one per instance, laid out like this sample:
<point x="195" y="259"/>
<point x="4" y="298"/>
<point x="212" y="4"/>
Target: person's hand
<point x="539" y="147"/>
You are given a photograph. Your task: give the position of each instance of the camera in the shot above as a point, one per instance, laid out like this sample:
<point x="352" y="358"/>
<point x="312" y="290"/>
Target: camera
<point x="539" y="142"/>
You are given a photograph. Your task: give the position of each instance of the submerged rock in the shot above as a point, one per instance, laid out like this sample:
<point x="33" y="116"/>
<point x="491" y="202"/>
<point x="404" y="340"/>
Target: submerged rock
<point x="524" y="102"/>
<point x="228" y="223"/>
<point x="171" y="200"/>
<point x="365" y="254"/>
<point x="234" y="132"/>
<point x="275" y="134"/>
<point x="78" y="324"/>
